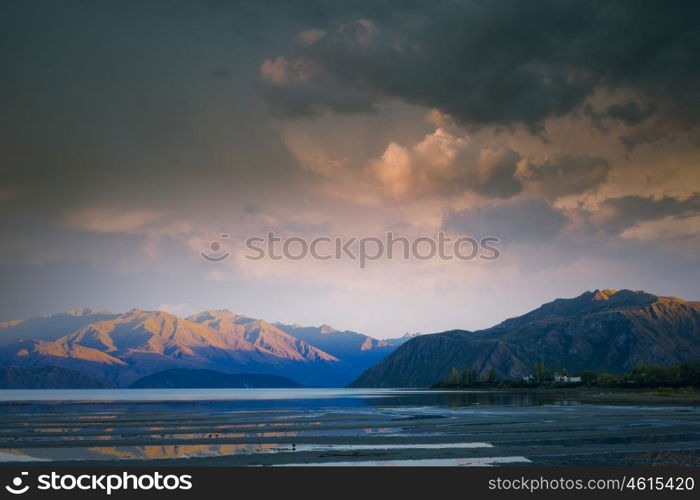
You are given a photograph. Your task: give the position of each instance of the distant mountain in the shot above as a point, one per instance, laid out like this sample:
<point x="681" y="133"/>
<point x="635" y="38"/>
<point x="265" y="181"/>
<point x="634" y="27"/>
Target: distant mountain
<point x="122" y="348"/>
<point x="355" y="349"/>
<point x="203" y="379"/>
<point x="129" y="346"/>
<point x="397" y="341"/>
<point x="49" y="327"/>
<point x="249" y="334"/>
<point x="603" y="331"/>
<point x="13" y="377"/>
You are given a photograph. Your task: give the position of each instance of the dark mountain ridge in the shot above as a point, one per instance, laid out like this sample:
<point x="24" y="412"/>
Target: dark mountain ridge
<point x="603" y="330"/>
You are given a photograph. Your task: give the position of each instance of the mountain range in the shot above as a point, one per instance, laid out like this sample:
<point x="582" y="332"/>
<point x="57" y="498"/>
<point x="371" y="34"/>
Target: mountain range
<point x="603" y="331"/>
<point x="119" y="349"/>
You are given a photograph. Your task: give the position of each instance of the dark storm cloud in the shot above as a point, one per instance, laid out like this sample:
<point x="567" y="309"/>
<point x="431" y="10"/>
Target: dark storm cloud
<point x="107" y="102"/>
<point x="501" y="183"/>
<point x="630" y="112"/>
<point x="504" y="62"/>
<point x="618" y="214"/>
<point x="221" y="73"/>
<point x="563" y="175"/>
<point x="523" y="219"/>
<point x="297" y="88"/>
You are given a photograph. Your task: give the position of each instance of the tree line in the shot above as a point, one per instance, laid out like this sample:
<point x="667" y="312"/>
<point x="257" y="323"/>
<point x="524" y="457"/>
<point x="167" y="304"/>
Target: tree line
<point x="641" y="376"/>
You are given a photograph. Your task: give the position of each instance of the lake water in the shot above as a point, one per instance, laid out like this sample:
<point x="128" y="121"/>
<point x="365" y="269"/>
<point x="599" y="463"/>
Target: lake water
<point x="272" y="397"/>
<point x="194" y="394"/>
<point x="248" y="427"/>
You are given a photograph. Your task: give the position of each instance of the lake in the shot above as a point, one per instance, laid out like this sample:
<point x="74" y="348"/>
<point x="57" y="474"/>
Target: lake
<point x="349" y="427"/>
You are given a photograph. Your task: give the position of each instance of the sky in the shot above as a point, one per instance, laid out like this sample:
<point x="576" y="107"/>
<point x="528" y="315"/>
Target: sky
<point x="135" y="134"/>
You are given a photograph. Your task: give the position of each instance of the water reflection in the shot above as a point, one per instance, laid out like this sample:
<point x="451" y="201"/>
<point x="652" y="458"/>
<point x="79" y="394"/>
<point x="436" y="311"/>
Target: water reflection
<point x="391" y="427"/>
<point x="457" y="399"/>
<point x="263" y="398"/>
<point x="215" y="450"/>
<point x="427" y="462"/>
<point x="137" y="452"/>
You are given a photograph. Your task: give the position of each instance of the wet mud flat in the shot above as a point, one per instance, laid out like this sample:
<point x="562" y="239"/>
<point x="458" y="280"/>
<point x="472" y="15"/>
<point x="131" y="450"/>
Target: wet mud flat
<point x="449" y="429"/>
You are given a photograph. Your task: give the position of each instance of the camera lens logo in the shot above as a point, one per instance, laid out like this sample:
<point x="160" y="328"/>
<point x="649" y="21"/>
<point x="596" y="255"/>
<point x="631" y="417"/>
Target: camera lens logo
<point x="216" y="253"/>
<point x="16" y="487"/>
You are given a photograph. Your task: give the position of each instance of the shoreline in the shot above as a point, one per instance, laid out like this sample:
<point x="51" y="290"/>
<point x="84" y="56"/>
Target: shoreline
<point x="599" y="395"/>
<point x="583" y="395"/>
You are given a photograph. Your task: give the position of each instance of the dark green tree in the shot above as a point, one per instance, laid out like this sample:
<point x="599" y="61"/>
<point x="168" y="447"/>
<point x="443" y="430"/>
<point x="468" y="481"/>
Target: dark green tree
<point x="589" y="378"/>
<point x="539" y="372"/>
<point x="607" y="380"/>
<point x="454" y="376"/>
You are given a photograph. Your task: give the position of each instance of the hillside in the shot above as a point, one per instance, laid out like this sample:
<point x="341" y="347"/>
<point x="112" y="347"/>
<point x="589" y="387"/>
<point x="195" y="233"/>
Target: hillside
<point x="51" y="326"/>
<point x="128" y="346"/>
<point x="118" y="349"/>
<point x="603" y="331"/>
<point x="356" y="349"/>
